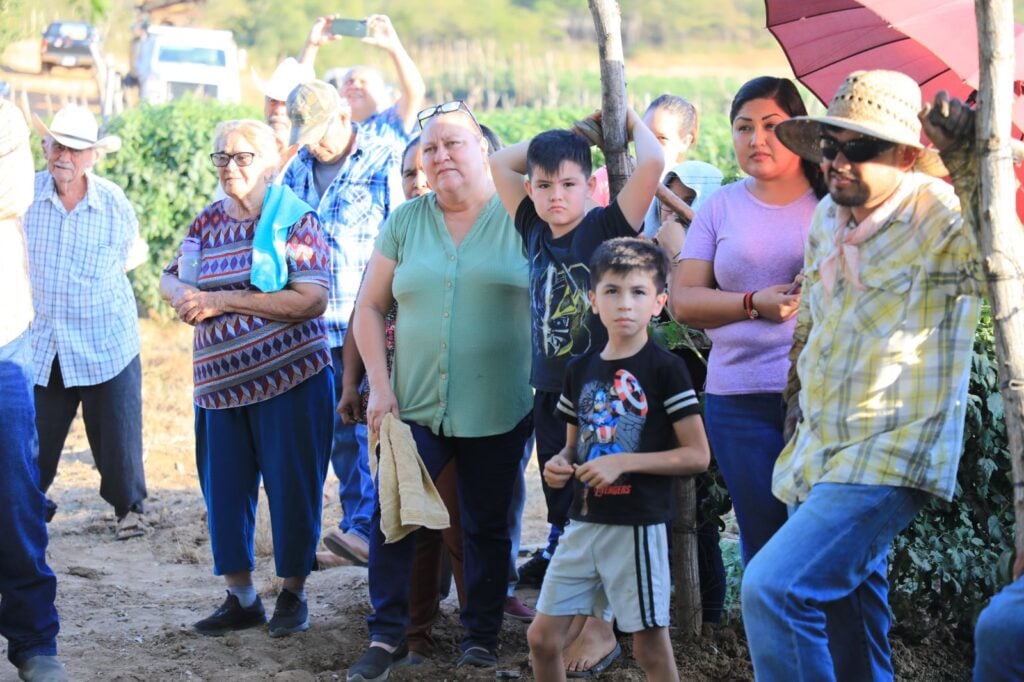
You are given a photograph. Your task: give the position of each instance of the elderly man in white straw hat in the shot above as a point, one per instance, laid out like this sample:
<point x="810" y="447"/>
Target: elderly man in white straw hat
<point x="288" y="75"/>
<point x="28" y="618"/>
<point x="85" y="340"/>
<point x="881" y="361"/>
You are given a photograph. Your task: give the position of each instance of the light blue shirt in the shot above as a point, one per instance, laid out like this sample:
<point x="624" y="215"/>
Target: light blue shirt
<point x="85" y="310"/>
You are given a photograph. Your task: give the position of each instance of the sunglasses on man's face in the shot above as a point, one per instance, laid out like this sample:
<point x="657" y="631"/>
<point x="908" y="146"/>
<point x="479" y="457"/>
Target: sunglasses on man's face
<point x="444" y="108"/>
<point x="857" y="150"/>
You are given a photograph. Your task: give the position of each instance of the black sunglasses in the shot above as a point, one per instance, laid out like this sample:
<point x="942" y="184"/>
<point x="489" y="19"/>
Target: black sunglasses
<point x="222" y="159"/>
<point x="857" y="150"/>
<point x="445" y="108"/>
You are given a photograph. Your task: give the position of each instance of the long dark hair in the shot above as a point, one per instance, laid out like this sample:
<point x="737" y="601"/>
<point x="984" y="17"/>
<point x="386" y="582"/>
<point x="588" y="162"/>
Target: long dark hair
<point x="783" y="92"/>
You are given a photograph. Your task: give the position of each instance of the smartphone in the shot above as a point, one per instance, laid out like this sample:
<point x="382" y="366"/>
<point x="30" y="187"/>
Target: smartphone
<point x="355" y="28"/>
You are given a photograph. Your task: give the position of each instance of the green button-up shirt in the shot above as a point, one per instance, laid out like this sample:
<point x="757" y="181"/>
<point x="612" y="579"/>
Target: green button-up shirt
<point x="462" y="339"/>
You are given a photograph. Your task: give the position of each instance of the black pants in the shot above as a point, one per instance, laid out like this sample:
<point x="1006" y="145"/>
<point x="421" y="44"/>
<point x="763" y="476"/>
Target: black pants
<point x="549" y="429"/>
<point x="112" y="412"/>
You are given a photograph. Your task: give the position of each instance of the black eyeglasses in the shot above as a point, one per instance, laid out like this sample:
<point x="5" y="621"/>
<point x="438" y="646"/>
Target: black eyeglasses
<point x="857" y="150"/>
<point x="445" y="108"/>
<point x="241" y="159"/>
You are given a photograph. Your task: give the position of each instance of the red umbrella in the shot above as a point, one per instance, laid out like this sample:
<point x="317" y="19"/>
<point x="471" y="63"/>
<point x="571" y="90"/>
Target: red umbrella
<point x="932" y="41"/>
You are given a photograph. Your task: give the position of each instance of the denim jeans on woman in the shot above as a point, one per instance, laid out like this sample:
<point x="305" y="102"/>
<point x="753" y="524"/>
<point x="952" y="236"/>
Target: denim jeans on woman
<point x="745" y="434"/>
<point x="28" y="618"/>
<point x="351" y="466"/>
<point x="487" y="468"/>
<point x="816" y="598"/>
<point x="999" y="637"/>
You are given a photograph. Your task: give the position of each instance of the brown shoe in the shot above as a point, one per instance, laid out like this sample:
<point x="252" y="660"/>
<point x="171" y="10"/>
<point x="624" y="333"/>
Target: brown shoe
<point x="131" y="525"/>
<point x="347" y="545"/>
<point x="326" y="560"/>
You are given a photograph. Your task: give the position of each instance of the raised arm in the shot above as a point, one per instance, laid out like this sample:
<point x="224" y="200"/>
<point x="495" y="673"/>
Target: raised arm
<point x="372" y="304"/>
<point x="319" y="35"/>
<point x="382" y="34"/>
<point x="508" y="168"/>
<point x="638" y="193"/>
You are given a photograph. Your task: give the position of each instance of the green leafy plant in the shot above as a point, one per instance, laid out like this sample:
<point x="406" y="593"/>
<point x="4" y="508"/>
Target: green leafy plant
<point x="164" y="170"/>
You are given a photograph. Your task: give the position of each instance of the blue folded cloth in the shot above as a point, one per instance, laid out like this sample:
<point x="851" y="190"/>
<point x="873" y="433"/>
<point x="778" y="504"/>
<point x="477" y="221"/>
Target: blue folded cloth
<point x="282" y="208"/>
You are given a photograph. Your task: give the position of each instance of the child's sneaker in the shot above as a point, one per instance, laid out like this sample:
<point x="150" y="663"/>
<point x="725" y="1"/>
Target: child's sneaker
<point x="531" y="574"/>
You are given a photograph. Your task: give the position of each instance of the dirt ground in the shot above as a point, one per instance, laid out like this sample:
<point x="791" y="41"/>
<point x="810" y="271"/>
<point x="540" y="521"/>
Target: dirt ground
<point x="126" y="607"/>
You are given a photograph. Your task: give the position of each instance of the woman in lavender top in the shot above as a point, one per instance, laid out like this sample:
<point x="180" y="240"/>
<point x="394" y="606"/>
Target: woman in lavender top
<point x="737" y="279"/>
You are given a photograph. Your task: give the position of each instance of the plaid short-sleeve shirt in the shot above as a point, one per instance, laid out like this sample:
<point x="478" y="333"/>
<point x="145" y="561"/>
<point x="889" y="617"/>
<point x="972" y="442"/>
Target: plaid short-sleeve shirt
<point x="353" y="208"/>
<point x="84" y="306"/>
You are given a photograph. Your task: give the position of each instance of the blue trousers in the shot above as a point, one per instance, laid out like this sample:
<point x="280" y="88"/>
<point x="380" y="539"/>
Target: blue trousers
<point x="487" y="468"/>
<point x="999" y="637"/>
<point x="287" y="440"/>
<point x="815" y="597"/>
<point x="351" y="466"/>
<point x="745" y="434"/>
<point x="28" y="618"/>
<point x="515" y="516"/>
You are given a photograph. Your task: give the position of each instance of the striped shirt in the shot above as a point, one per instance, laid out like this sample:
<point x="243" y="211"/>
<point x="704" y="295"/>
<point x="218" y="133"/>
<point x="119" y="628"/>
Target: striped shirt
<point x="353" y="208"/>
<point x="884" y="367"/>
<point x="84" y="307"/>
<point x="240" y="359"/>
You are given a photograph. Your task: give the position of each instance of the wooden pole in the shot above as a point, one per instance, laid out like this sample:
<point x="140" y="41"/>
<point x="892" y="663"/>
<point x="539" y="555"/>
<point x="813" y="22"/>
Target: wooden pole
<point x="683" y="563"/>
<point x="1001" y="240"/>
<point x="607" y="23"/>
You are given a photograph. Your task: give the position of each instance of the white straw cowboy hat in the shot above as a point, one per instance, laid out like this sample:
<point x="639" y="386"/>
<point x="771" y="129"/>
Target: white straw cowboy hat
<point x="880" y="104"/>
<point x="75" y="127"/>
<point x="288" y="75"/>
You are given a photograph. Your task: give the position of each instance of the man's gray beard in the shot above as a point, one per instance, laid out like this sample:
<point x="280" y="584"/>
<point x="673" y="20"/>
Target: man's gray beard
<point x="281" y="124"/>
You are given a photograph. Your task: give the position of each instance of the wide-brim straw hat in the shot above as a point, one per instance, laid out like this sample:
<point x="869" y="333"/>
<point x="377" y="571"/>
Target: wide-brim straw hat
<point x="75" y="127"/>
<point x="288" y="75"/>
<point x="881" y="104"/>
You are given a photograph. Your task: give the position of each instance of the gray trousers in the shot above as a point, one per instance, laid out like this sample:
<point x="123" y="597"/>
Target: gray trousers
<point x="112" y="412"/>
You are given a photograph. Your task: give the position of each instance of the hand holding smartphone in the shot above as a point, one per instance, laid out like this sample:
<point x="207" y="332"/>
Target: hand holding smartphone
<point x="353" y="28"/>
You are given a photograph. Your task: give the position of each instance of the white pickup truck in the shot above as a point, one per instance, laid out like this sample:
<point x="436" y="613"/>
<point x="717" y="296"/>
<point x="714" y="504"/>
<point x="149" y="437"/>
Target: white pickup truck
<point x="171" y="61"/>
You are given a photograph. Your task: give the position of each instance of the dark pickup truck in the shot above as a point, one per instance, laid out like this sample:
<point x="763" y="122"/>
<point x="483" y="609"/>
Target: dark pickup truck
<point x="69" y="43"/>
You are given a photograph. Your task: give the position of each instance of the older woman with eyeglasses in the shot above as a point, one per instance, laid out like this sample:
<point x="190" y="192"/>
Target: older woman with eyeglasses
<point x="255" y="291"/>
<point x="455" y="264"/>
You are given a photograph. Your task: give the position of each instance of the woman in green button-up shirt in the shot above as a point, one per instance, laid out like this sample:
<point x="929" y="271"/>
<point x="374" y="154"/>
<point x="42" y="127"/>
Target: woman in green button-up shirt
<point x="455" y="264"/>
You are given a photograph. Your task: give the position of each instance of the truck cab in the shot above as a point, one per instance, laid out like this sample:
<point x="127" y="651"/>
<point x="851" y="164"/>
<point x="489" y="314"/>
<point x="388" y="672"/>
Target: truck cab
<point x="171" y="61"/>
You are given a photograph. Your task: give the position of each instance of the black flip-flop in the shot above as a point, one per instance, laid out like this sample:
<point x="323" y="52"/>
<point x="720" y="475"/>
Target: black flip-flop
<point x="599" y="667"/>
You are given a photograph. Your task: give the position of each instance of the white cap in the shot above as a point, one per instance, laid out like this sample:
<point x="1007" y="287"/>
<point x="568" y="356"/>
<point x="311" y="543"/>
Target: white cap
<point x="288" y="75"/>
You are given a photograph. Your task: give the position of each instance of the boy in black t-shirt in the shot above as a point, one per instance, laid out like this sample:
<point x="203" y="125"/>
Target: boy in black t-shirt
<point x="633" y="423"/>
<point x="560" y="236"/>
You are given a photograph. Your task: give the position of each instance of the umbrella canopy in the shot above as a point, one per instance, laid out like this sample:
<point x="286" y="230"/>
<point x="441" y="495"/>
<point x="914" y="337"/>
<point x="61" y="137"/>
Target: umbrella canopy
<point x="932" y="41"/>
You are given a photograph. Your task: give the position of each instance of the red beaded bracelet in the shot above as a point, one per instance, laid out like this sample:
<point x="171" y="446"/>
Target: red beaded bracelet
<point x="748" y="306"/>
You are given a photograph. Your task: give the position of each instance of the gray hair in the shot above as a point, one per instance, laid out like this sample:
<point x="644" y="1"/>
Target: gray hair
<point x="257" y="133"/>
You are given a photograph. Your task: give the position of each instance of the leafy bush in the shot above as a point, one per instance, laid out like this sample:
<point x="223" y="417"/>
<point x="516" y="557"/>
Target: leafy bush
<point x="955" y="556"/>
<point x="164" y="170"/>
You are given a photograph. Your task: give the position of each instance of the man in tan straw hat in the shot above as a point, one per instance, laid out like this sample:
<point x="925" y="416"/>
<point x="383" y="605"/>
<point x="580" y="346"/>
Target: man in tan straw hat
<point x="28" y="618"/>
<point x="881" y="361"/>
<point x="85" y="339"/>
<point x="288" y="75"/>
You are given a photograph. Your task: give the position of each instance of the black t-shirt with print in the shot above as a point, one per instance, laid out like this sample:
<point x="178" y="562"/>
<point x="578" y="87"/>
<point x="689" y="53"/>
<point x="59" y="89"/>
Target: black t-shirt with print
<point x="621" y="406"/>
<point x="563" y="326"/>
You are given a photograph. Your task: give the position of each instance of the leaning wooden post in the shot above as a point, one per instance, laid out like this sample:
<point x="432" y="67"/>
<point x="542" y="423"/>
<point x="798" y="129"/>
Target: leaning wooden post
<point x="1001" y="240"/>
<point x="607" y="22"/>
<point x="683" y="562"/>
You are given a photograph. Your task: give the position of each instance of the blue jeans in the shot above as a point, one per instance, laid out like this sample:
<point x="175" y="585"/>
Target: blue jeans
<point x="28" y="618"/>
<point x="287" y="441"/>
<point x="486" y="471"/>
<point x="515" y="517"/>
<point x="999" y="637"/>
<point x="815" y="598"/>
<point x="351" y="466"/>
<point x="745" y="434"/>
